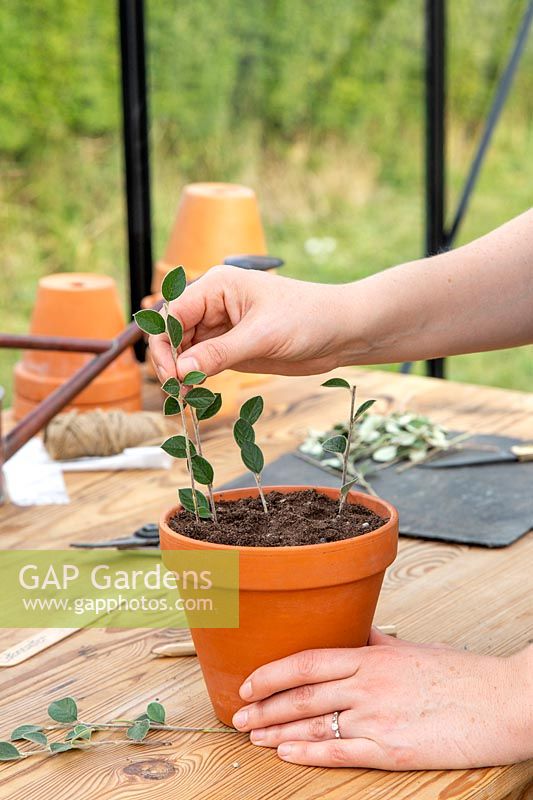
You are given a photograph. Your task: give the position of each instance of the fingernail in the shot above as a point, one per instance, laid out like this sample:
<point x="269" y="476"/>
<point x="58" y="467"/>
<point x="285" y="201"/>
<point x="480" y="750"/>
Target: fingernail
<point x="240" y="718"/>
<point x="246" y="690"/>
<point x="187" y="364"/>
<point x="257" y="736"/>
<point x="284" y="750"/>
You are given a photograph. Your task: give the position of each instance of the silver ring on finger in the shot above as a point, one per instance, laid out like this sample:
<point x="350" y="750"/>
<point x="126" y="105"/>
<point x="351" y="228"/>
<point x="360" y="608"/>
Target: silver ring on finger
<point x="335" y="725"/>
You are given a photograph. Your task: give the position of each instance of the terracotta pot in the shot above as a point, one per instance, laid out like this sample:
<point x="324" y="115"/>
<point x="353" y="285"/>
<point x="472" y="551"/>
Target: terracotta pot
<point x="291" y="598"/>
<point x="213" y="221"/>
<point x="151" y="299"/>
<point x="82" y="305"/>
<point x="158" y="273"/>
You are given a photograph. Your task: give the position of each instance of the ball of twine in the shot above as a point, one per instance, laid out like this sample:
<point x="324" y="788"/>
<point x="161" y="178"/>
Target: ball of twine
<point x="101" y="433"/>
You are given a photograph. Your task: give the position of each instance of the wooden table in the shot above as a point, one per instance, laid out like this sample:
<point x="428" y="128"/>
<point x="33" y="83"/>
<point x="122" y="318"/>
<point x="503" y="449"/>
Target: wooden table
<point x="466" y="596"/>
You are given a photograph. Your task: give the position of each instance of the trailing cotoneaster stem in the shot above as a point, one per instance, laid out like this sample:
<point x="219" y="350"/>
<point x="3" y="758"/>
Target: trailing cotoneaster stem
<point x="185" y="434"/>
<point x="350" y="433"/>
<point x="210" y="494"/>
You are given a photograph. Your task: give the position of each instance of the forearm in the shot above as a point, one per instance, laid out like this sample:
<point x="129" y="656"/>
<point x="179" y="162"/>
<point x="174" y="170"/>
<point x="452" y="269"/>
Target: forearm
<point x="478" y="297"/>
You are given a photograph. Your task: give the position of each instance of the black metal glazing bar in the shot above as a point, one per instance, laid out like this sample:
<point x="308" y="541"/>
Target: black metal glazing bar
<point x="435" y="139"/>
<point x="136" y="151"/>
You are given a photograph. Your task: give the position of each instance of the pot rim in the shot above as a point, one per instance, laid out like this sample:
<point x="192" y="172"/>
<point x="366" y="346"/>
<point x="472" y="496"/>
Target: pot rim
<point x="358" y="497"/>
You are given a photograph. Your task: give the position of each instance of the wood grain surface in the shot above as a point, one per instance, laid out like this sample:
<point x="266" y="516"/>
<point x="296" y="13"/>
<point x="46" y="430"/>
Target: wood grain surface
<point x="470" y="597"/>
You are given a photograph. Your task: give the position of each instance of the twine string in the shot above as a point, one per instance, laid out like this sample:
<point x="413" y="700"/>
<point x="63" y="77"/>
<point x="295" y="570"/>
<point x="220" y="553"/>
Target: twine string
<point x="101" y="433"/>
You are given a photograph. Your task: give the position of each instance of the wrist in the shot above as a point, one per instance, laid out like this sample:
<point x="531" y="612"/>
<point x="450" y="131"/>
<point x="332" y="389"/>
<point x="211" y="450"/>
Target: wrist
<point x="518" y="702"/>
<point x="396" y="315"/>
<point x="366" y="323"/>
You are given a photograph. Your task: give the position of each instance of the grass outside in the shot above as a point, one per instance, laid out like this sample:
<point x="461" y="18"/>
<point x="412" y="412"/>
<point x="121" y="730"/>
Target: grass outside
<point x="66" y="213"/>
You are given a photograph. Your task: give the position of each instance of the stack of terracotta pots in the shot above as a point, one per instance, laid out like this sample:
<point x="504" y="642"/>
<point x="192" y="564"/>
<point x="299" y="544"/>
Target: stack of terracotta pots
<point x="80" y="305"/>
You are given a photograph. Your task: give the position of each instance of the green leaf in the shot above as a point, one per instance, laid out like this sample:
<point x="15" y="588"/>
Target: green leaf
<point x="61" y="747"/>
<point x="417" y="454"/>
<point x="200" y="398"/>
<point x="194" y="377"/>
<point x="174" y="330"/>
<point x="362" y="408"/>
<point x="202" y="470"/>
<point x="174" y="284"/>
<point x="185" y="498"/>
<point x="252" y="457"/>
<point x="347" y="486"/>
<point x="138" y="730"/>
<point x="252" y="409"/>
<point x="337" y="444"/>
<point x="384" y="454"/>
<point x="37" y="737"/>
<point x="64" y="710"/>
<point x="171" y="406"/>
<point x="22" y="730"/>
<point x="243" y="432"/>
<point x="144" y="715"/>
<point x="150" y="322"/>
<point x="8" y="752"/>
<point x="172" y="387"/>
<point x="80" y="732"/>
<point x="337" y="383"/>
<point x="156" y="712"/>
<point x="210" y="411"/>
<point x="176" y="447"/>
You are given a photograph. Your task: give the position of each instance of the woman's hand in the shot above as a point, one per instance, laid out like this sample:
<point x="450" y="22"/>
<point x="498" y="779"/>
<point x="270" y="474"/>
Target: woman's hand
<point x="401" y="705"/>
<point x="451" y="303"/>
<point x="253" y="322"/>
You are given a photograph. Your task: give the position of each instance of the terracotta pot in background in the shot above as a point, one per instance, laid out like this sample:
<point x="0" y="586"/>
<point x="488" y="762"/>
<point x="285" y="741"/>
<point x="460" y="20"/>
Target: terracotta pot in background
<point x="291" y="598"/>
<point x="213" y="221"/>
<point x="149" y="302"/>
<point x="82" y="305"/>
<point x="158" y="273"/>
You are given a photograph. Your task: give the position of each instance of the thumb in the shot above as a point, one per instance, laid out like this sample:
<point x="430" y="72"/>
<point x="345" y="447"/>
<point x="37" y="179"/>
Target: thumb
<point x="379" y="638"/>
<point x="217" y="354"/>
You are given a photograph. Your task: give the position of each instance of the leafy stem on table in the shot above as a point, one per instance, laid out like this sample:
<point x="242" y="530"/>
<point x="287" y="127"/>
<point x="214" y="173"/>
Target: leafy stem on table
<point x="79" y="734"/>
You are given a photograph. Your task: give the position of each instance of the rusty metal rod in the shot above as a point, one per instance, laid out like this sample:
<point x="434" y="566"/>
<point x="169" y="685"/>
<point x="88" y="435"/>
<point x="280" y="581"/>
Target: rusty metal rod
<point x="67" y="344"/>
<point x="52" y="405"/>
<point x="55" y="402"/>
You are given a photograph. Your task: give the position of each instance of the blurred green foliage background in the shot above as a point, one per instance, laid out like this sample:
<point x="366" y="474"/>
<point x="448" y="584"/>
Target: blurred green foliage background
<point x="317" y="104"/>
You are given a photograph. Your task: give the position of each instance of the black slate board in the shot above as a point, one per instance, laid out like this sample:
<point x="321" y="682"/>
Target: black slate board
<point x="489" y="504"/>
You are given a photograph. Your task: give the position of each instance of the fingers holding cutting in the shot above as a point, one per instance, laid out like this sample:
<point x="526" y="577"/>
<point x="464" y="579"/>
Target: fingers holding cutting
<point x="202" y="307"/>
